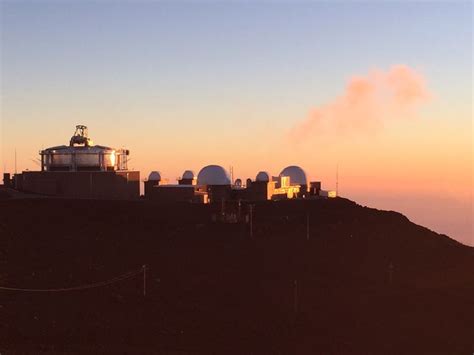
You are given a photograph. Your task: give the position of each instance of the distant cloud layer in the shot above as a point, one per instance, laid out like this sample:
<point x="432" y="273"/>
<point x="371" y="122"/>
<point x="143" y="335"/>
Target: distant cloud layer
<point x="366" y="103"/>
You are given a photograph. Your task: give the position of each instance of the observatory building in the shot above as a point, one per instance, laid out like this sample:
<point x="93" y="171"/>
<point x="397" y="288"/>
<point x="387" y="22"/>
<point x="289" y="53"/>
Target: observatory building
<point x="188" y="178"/>
<point x="82" y="155"/>
<point x="215" y="181"/>
<point x="290" y="183"/>
<point x="82" y="170"/>
<point x="213" y="184"/>
<point x="296" y="174"/>
<point x="158" y="189"/>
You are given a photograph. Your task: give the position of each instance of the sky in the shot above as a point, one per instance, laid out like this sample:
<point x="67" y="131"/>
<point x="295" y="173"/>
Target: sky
<point x="380" y="91"/>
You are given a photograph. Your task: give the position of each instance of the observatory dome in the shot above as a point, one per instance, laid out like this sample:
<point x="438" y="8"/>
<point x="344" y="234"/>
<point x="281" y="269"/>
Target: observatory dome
<point x="213" y="175"/>
<point x="263" y="176"/>
<point x="296" y="174"/>
<point x="154" y="176"/>
<point x="188" y="174"/>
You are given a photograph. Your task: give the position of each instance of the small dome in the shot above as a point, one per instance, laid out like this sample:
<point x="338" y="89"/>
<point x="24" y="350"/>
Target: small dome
<point x="238" y="183"/>
<point x="188" y="174"/>
<point x="154" y="176"/>
<point x="263" y="176"/>
<point x="213" y="175"/>
<point x="296" y="174"/>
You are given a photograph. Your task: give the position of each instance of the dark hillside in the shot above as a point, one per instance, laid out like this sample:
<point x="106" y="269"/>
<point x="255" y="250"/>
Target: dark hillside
<point x="365" y="281"/>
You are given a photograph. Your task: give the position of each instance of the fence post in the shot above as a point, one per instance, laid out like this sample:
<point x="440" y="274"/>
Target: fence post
<point x="307" y="226"/>
<point x="144" y="280"/>
<point x="295" y="297"/>
<point x="251" y="220"/>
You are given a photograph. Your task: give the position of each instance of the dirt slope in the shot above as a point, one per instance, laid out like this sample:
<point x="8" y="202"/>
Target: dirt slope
<point x="367" y="281"/>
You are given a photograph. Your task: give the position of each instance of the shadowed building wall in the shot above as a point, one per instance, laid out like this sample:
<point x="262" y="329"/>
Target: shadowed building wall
<point x="121" y="185"/>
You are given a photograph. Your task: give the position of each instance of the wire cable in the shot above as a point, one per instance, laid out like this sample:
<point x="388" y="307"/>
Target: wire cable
<point x="119" y="278"/>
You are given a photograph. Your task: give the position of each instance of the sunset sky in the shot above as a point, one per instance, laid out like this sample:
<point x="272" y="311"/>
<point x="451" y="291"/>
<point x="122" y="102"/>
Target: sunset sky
<point x="382" y="89"/>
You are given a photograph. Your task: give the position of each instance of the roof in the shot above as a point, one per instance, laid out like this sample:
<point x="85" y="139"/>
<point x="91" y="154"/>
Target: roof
<point x="213" y="175"/>
<point x="154" y="176"/>
<point x="188" y="174"/>
<point x="263" y="176"/>
<point x="297" y="175"/>
<point x="65" y="149"/>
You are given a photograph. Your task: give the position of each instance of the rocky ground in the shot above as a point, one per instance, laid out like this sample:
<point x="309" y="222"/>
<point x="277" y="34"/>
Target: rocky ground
<point x="364" y="282"/>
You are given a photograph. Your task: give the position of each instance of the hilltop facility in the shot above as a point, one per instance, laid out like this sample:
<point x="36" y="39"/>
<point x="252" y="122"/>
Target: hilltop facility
<point x="82" y="170"/>
<point x="213" y="184"/>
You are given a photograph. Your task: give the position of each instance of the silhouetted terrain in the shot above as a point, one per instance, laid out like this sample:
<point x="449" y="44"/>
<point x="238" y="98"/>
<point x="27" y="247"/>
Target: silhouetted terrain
<point x="368" y="281"/>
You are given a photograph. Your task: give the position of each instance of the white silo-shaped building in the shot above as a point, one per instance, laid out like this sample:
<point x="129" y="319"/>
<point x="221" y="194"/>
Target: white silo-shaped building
<point x="154" y="176"/>
<point x="261" y="188"/>
<point x="213" y="175"/>
<point x="154" y="179"/>
<point x="188" y="178"/>
<point x="297" y="177"/>
<point x="216" y="181"/>
<point x="262" y="176"/>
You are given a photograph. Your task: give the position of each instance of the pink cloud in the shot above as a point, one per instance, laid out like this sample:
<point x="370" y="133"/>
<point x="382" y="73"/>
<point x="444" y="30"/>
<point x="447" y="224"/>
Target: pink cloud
<point x="366" y="102"/>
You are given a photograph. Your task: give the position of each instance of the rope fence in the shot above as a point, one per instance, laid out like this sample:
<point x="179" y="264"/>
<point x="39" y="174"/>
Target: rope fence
<point x="125" y="276"/>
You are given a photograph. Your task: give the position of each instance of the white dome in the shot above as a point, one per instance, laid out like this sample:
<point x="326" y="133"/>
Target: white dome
<point x="296" y="174"/>
<point x="154" y="176"/>
<point x="263" y="176"/>
<point x="213" y="175"/>
<point x="188" y="174"/>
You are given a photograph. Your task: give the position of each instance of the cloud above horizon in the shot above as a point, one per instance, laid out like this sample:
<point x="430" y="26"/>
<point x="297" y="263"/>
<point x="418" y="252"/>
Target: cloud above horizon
<point x="366" y="102"/>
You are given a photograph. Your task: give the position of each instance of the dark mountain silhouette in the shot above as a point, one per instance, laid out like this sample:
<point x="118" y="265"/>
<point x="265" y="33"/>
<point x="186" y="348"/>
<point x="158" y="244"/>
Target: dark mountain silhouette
<point x="365" y="282"/>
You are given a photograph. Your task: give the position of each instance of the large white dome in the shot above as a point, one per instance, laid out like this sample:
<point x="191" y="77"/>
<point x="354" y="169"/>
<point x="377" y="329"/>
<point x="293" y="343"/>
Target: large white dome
<point x="188" y="174"/>
<point x="213" y="175"/>
<point x="296" y="174"/>
<point x="263" y="176"/>
<point x="154" y="176"/>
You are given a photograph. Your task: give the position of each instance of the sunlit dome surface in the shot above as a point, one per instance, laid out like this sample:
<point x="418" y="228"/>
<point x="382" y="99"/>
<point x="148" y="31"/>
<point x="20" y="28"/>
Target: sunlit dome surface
<point x="263" y="176"/>
<point x="213" y="175"/>
<point x="188" y="174"/>
<point x="154" y="176"/>
<point x="296" y="174"/>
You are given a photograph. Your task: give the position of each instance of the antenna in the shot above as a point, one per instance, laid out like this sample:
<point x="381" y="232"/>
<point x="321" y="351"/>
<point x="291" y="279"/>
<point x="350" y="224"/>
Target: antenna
<point x="36" y="161"/>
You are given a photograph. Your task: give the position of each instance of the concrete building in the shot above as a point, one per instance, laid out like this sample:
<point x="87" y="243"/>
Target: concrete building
<point x="215" y="180"/>
<point x="261" y="189"/>
<point x="188" y="178"/>
<point x="157" y="189"/>
<point x="176" y="193"/>
<point x="154" y="179"/>
<point x="297" y="177"/>
<point x="82" y="170"/>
